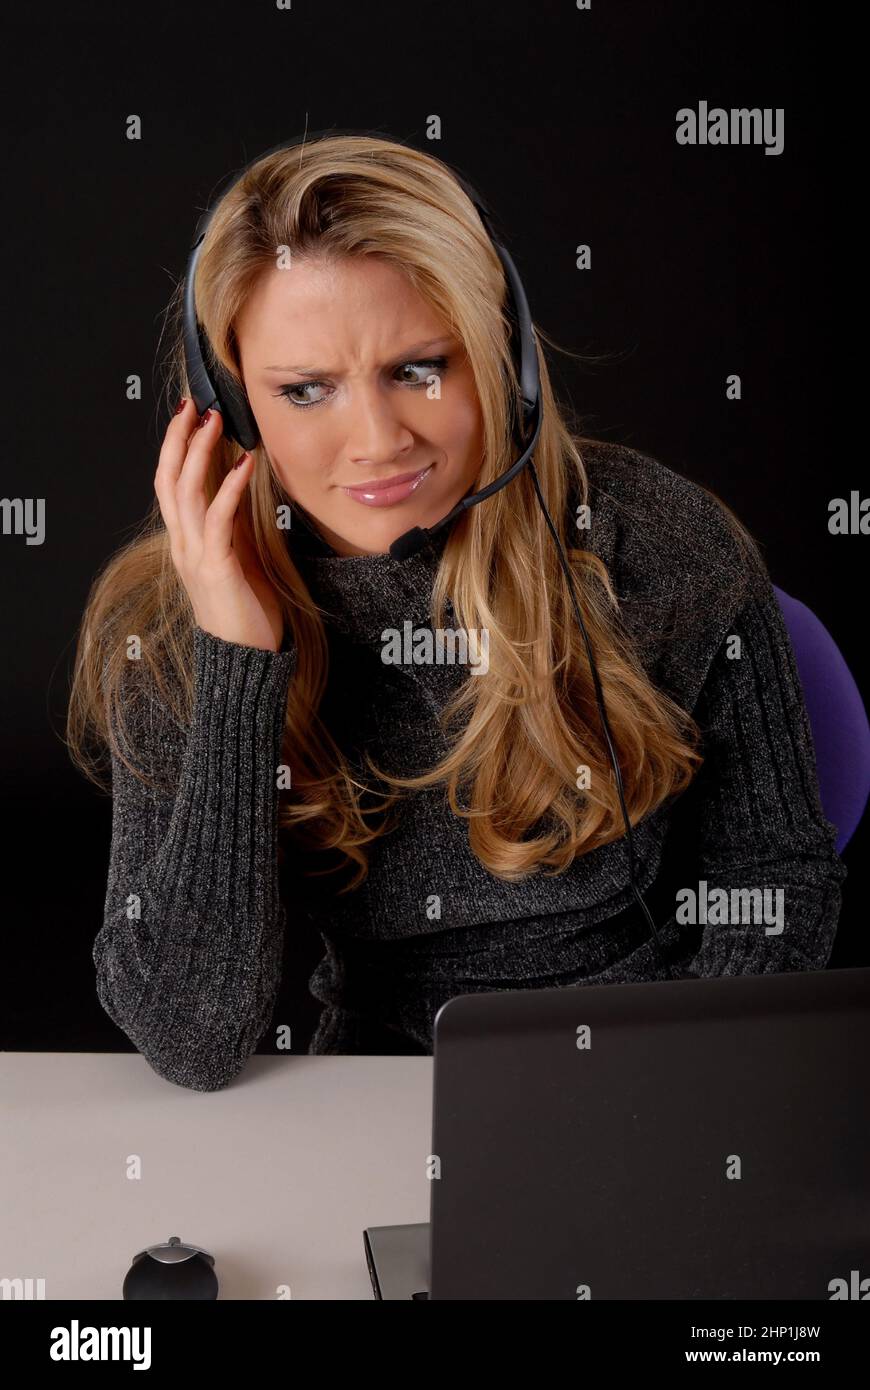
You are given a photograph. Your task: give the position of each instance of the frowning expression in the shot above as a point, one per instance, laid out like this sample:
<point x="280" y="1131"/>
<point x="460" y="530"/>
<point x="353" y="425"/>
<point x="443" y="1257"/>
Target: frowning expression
<point x="364" y="398"/>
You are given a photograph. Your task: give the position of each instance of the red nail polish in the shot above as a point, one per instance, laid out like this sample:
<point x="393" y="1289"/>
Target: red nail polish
<point x="181" y="404"/>
<point x="205" y="419"/>
<point x="239" y="461"/>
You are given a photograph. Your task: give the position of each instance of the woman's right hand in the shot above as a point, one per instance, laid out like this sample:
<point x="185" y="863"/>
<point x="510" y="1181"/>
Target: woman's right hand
<point x="215" y="558"/>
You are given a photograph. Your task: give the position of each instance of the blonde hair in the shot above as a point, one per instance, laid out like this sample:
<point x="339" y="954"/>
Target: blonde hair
<point x="533" y="720"/>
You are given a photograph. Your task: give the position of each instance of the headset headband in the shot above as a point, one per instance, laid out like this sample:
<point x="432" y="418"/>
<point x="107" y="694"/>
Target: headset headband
<point x="212" y="387"/>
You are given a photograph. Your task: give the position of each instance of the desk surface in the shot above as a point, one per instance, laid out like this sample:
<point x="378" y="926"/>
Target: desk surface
<point x="276" y="1176"/>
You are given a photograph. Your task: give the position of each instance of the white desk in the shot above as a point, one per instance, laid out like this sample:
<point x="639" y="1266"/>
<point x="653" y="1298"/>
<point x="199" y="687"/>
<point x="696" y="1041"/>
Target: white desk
<point x="275" y="1176"/>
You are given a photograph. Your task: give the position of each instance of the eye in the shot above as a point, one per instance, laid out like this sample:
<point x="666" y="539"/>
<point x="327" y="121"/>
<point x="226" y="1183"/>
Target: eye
<point x="286" y="391"/>
<point x="427" y="366"/>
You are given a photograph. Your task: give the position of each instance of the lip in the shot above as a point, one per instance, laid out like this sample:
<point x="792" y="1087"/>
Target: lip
<point x="385" y="492"/>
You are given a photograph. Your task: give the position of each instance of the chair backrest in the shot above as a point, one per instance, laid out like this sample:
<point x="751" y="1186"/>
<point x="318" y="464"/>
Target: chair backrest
<point x="838" y="719"/>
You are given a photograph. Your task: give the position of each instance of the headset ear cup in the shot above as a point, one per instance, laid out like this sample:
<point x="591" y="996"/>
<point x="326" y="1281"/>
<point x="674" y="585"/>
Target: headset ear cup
<point x="239" y="422"/>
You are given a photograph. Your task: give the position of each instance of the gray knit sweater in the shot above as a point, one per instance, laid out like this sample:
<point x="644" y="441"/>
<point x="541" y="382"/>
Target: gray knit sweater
<point x="189" y="957"/>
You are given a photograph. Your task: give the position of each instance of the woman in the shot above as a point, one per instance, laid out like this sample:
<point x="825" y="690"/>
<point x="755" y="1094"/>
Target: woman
<point x="271" y="724"/>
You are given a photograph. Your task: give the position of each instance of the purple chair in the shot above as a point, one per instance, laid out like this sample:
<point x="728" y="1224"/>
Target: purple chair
<point x="841" y="733"/>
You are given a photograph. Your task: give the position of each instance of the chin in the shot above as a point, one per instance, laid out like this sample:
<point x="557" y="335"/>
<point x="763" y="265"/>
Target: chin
<point x="376" y="540"/>
<point x="377" y="532"/>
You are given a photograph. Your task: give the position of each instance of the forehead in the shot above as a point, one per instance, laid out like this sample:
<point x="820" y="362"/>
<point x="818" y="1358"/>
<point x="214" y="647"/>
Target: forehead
<point x="316" y="306"/>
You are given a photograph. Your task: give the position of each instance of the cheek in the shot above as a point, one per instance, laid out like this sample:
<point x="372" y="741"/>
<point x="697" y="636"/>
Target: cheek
<point x="464" y="430"/>
<point x="458" y="424"/>
<point x="294" y="440"/>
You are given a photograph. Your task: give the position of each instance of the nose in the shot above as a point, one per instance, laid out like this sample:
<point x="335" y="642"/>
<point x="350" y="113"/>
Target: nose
<point x="375" y="434"/>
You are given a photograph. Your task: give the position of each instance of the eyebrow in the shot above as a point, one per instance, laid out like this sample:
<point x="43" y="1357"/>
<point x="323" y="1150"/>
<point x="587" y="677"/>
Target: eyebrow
<point x="406" y="356"/>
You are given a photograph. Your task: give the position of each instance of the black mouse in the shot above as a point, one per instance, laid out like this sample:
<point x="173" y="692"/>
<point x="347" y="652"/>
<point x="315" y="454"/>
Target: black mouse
<point x="173" y="1270"/>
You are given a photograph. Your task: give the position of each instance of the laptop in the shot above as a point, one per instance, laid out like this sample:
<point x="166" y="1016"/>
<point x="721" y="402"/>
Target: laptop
<point x="687" y="1139"/>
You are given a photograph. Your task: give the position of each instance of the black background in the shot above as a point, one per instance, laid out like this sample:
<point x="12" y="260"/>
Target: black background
<point x="706" y="261"/>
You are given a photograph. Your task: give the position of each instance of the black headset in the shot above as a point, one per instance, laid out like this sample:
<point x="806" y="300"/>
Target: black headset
<point x="213" y="388"/>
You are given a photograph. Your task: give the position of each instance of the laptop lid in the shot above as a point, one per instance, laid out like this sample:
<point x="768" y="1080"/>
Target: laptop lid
<point x="398" y="1260"/>
<point x="689" y="1139"/>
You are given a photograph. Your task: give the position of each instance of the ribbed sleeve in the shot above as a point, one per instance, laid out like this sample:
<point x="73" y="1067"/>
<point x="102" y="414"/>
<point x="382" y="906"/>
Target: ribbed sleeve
<point x="189" y="955"/>
<point x="754" y="811"/>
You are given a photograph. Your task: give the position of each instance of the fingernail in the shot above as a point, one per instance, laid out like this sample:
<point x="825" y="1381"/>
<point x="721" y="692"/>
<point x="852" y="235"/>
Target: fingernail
<point x="239" y="461"/>
<point x="205" y="419"/>
<point x="181" y="404"/>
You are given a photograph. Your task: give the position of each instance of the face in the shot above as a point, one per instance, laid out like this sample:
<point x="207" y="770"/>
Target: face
<point x="338" y="360"/>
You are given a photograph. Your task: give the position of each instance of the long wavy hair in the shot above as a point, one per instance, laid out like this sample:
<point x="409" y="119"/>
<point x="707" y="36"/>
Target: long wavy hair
<point x="516" y="737"/>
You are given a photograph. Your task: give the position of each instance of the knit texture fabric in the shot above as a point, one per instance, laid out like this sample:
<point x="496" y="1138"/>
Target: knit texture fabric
<point x="189" y="957"/>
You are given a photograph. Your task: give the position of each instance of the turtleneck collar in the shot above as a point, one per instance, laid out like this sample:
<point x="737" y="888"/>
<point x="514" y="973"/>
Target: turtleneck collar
<point x="363" y="594"/>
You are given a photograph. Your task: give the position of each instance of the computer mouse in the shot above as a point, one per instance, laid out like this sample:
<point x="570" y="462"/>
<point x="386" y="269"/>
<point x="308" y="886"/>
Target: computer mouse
<point x="172" y="1270"/>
